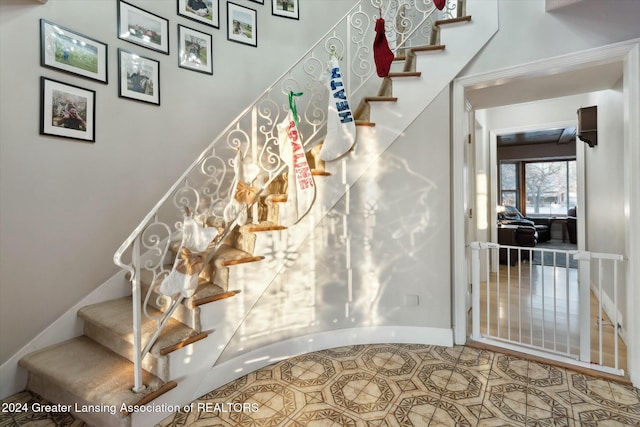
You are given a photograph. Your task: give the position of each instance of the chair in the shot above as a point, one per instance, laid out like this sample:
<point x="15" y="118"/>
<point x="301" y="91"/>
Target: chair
<point x="512" y="216"/>
<point x="572" y="225"/>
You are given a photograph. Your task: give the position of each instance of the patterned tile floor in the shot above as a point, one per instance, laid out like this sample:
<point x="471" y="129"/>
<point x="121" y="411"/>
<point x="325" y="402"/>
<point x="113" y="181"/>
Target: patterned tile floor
<point x="407" y="385"/>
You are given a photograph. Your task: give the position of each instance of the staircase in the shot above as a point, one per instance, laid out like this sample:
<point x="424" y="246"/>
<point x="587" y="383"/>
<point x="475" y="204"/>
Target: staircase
<point x="185" y="337"/>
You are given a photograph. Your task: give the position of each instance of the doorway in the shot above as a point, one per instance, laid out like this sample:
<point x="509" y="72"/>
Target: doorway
<point x="626" y="57"/>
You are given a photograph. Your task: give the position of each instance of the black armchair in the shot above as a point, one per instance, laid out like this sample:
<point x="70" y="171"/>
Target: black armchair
<point x="512" y="216"/>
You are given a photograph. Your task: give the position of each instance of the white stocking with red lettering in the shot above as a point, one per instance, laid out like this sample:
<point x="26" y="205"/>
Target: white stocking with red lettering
<point x="301" y="190"/>
<point x="341" y="127"/>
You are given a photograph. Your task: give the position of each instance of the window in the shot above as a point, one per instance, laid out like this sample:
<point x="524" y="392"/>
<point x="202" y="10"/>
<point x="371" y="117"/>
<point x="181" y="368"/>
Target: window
<point x="509" y="184"/>
<point x="550" y="187"/>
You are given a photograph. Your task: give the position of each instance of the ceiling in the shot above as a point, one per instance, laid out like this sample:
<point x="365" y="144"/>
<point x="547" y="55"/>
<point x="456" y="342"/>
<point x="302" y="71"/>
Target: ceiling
<point x="563" y="135"/>
<point x="552" y="84"/>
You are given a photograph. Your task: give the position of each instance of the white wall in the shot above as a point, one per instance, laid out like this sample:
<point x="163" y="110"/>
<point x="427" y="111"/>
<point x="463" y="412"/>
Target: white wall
<point x="381" y="257"/>
<point x="528" y="33"/>
<point x="605" y="204"/>
<point x="66" y="206"/>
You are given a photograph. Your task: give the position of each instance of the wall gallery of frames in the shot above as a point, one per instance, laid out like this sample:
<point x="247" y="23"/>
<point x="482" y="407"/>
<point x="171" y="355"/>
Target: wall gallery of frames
<point x="68" y="110"/>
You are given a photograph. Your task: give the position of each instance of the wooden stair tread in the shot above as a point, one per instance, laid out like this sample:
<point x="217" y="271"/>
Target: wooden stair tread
<point x="428" y="48"/>
<point x="116" y="316"/>
<point x="317" y="172"/>
<point x="380" y="99"/>
<point x="453" y="20"/>
<point x="90" y="371"/>
<point x="262" y="227"/>
<point x="364" y="123"/>
<point x="277" y="198"/>
<point x="228" y="255"/>
<point x="177" y="346"/>
<point x="405" y="74"/>
<point x="217" y="297"/>
<point x="169" y="385"/>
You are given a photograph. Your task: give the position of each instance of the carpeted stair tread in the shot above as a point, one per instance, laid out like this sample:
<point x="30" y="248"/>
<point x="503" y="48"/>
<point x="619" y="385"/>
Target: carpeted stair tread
<point x="116" y="316"/>
<point x="205" y="288"/>
<point x="89" y="371"/>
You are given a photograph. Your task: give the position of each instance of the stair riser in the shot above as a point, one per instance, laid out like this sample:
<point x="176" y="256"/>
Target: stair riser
<point x="184" y="314"/>
<point x="155" y="364"/>
<point x="52" y="392"/>
<point x="191" y="358"/>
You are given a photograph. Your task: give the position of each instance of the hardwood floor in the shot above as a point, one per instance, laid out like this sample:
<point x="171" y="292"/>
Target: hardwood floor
<point x="537" y="307"/>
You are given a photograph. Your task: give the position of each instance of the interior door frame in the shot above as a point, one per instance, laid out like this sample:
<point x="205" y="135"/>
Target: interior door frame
<point x="629" y="53"/>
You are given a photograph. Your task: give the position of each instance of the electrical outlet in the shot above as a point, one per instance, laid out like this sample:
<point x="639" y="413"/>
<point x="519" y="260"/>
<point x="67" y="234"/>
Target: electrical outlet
<point x="411" y="300"/>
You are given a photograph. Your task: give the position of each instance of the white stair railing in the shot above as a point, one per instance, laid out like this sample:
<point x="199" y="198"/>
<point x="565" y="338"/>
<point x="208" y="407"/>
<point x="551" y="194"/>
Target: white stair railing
<point x="205" y="187"/>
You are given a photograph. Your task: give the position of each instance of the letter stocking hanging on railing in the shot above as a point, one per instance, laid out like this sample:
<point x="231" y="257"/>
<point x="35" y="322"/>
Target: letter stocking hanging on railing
<point x="382" y="54"/>
<point x="301" y="190"/>
<point x="341" y="127"/>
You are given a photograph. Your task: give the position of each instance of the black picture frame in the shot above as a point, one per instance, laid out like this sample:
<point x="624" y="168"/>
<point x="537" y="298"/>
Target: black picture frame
<point x="143" y="28"/>
<point x="286" y="8"/>
<point x="211" y="17"/>
<point x="258" y="1"/>
<point x="67" y="111"/>
<point x="66" y="50"/>
<point x="138" y="77"/>
<point x="242" y="24"/>
<point x="195" y="50"/>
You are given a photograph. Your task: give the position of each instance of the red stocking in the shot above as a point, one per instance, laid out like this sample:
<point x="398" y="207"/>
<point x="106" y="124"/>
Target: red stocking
<point x="382" y="55"/>
<point x="440" y="4"/>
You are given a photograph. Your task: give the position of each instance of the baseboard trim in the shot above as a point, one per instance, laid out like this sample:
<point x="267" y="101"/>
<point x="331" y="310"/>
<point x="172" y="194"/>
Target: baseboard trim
<point x="201" y="382"/>
<point x="237" y="367"/>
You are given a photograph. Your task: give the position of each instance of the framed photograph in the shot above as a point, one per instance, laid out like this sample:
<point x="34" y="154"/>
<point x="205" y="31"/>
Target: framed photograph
<point x="204" y="11"/>
<point x="138" y="77"/>
<point x="67" y="111"/>
<point x="142" y="28"/>
<point x="286" y="8"/>
<point x="242" y="24"/>
<point x="195" y="50"/>
<point x="65" y="50"/>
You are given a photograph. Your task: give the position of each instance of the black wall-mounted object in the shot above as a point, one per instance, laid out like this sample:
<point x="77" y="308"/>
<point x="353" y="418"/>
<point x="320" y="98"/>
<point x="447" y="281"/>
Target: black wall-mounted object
<point x="588" y="125"/>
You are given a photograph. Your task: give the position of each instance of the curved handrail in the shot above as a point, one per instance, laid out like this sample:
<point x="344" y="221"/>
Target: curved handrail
<point x="117" y="258"/>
